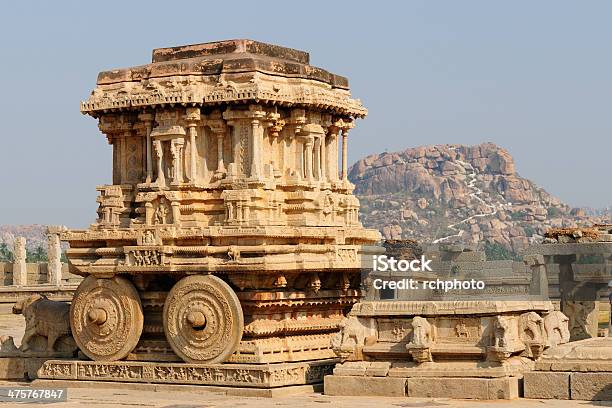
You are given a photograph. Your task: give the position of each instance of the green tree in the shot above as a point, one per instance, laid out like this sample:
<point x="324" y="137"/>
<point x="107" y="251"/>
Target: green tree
<point x="37" y="255"/>
<point x="6" y="255"/>
<point x="496" y="252"/>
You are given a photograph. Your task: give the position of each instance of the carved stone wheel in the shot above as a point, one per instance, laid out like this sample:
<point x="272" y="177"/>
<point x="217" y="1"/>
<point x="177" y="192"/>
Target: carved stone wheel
<point x="203" y="319"/>
<point x="106" y="318"/>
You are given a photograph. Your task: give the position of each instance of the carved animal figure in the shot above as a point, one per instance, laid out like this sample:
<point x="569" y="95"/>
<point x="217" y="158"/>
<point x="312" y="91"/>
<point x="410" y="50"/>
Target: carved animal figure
<point x="501" y="329"/>
<point x="45" y="318"/>
<point x="354" y="334"/>
<point x="556" y="325"/>
<point x="421" y="332"/>
<point x="532" y="327"/>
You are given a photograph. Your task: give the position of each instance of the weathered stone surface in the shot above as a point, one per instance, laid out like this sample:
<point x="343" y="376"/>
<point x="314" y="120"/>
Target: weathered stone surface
<point x="12" y="368"/>
<point x="193" y="392"/>
<point x="364" y="386"/>
<point x="591" y="386"/>
<point x="248" y="68"/>
<point x="546" y="385"/>
<point x="589" y="355"/>
<point x="464" y="388"/>
<point x="20" y="272"/>
<point x="47" y="328"/>
<point x="226" y="161"/>
<point x="242" y="375"/>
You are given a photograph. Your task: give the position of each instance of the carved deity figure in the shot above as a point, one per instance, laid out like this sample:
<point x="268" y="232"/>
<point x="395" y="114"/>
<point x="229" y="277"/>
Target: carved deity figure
<point x="161" y="213"/>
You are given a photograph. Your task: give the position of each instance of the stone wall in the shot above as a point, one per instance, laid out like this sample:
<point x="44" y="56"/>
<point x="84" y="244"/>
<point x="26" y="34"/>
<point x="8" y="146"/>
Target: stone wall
<point x="38" y="273"/>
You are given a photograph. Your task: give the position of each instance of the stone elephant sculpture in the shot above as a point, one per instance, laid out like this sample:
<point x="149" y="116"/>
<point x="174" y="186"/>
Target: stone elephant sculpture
<point x="47" y="319"/>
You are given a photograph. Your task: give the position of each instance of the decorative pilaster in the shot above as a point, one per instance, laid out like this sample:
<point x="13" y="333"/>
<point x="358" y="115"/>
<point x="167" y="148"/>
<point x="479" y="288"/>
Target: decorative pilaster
<point x="193" y="117"/>
<point x="317" y="159"/>
<point x="219" y="130"/>
<point x="176" y="150"/>
<point x="323" y="158"/>
<point x="308" y="142"/>
<point x="344" y="154"/>
<point x="147" y="118"/>
<point x="331" y="161"/>
<point x="159" y="156"/>
<point x="257" y="132"/>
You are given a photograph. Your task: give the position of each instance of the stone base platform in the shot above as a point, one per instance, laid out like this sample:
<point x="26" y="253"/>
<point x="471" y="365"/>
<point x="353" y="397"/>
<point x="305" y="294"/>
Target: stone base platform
<point x="450" y="379"/>
<point x="424" y="387"/>
<point x="580" y="370"/>
<point x="230" y="391"/>
<point x="262" y="376"/>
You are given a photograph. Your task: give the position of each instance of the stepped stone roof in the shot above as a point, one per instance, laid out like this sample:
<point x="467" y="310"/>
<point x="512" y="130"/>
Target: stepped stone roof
<point x="232" y="71"/>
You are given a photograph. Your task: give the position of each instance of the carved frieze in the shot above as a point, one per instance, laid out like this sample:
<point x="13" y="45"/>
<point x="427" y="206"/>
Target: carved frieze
<point x="244" y="375"/>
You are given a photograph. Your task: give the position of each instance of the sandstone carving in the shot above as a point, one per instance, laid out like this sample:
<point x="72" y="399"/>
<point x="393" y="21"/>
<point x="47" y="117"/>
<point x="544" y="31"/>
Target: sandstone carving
<point x="531" y="329"/>
<point x="355" y="333"/>
<point x="472" y="344"/>
<point x="54" y="253"/>
<point x="45" y="319"/>
<point x="229" y="214"/>
<point x="578" y="258"/>
<point x="422" y="339"/>
<point x="556" y="327"/>
<point x="20" y="271"/>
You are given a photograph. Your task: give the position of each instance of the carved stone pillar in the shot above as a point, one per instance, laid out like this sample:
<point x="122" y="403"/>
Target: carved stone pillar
<point x="578" y="300"/>
<point x="147" y="118"/>
<point x="317" y="159"/>
<point x="176" y="213"/>
<point x="193" y="117"/>
<point x="176" y="149"/>
<point x="332" y="154"/>
<point x="159" y="156"/>
<point x="323" y="158"/>
<point x="20" y="270"/>
<point x="344" y="154"/>
<point x="219" y="129"/>
<point x="308" y="142"/>
<point x="539" y="279"/>
<point x="256" y="153"/>
<point x="54" y="266"/>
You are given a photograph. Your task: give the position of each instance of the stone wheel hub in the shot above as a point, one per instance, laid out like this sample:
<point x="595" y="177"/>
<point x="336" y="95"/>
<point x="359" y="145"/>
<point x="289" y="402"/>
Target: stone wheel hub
<point x="203" y="319"/>
<point x="106" y="318"/>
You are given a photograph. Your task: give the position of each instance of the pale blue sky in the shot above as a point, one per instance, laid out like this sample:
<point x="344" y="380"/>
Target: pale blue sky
<point x="531" y="76"/>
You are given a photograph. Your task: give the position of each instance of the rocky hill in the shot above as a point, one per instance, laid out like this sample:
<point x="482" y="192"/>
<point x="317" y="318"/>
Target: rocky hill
<point x="450" y="193"/>
<point x="35" y="235"/>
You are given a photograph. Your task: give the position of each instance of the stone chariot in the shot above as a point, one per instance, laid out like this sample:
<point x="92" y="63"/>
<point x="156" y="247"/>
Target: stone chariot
<point x="229" y="233"/>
